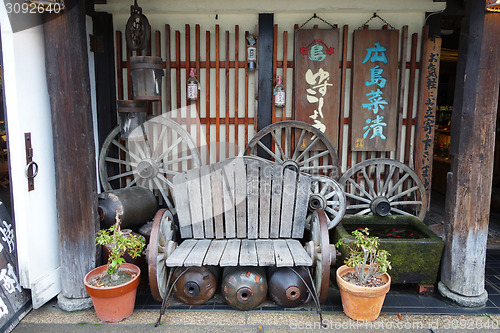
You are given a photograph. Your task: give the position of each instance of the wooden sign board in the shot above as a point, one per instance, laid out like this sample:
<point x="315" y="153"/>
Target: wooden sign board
<point x="316" y="81"/>
<point x="426" y="119"/>
<point x="374" y="94"/>
<point x="15" y="302"/>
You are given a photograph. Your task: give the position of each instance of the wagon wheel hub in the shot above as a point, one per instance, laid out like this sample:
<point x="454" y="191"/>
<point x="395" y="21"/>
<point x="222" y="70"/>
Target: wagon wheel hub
<point x="380" y="206"/>
<point x="147" y="168"/>
<point x="291" y="165"/>
<point x="317" y="201"/>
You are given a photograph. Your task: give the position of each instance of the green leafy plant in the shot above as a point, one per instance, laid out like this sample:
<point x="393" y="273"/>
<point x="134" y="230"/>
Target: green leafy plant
<point x="364" y="253"/>
<point x="120" y="244"/>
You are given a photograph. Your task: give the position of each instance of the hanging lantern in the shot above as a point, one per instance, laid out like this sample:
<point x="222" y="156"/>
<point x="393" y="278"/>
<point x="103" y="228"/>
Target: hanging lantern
<point x="46" y="5"/>
<point x="192" y="86"/>
<point x="493" y="5"/>
<point x="251" y="52"/>
<point x="279" y="93"/>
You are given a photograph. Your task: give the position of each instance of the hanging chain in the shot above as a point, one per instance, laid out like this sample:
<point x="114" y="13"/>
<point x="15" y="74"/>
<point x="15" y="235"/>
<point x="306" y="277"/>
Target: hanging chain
<point x="375" y="15"/>
<point x="316" y="17"/>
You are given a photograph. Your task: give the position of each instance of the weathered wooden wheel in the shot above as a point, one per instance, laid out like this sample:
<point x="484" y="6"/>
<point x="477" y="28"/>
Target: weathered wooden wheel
<point x="327" y="195"/>
<point x="161" y="244"/>
<point x="384" y="186"/>
<point x="160" y="149"/>
<point x="289" y="148"/>
<point x="319" y="250"/>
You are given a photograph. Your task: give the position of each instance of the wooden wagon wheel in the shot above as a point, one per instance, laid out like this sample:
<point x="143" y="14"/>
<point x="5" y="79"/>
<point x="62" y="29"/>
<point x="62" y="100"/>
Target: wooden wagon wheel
<point x="327" y="195"/>
<point x="384" y="186"/>
<point x="319" y="249"/>
<point x="161" y="149"/>
<point x="287" y="139"/>
<point x="161" y="245"/>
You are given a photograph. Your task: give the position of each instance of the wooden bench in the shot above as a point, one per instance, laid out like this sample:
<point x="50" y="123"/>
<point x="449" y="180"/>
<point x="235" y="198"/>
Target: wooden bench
<point x="244" y="211"/>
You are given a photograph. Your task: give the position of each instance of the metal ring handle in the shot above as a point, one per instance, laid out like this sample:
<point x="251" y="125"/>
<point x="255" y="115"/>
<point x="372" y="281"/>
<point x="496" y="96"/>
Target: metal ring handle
<point x="35" y="169"/>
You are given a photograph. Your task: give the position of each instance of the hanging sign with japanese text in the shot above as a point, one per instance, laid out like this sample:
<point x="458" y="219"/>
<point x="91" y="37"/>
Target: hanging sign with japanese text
<point x="374" y="94"/>
<point x="15" y="302"/>
<point x="316" y="81"/>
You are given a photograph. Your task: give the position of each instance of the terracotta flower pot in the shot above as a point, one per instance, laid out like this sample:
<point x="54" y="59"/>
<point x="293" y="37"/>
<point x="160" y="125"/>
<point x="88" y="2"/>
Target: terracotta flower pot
<point x="361" y="303"/>
<point x="113" y="304"/>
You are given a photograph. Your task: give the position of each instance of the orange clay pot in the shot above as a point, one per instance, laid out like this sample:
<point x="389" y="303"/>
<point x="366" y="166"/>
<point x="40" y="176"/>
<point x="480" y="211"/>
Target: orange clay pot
<point x="361" y="303"/>
<point x="113" y="304"/>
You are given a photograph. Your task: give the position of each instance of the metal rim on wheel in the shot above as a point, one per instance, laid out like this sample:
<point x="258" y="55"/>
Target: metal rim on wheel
<point x="321" y="243"/>
<point x="162" y="150"/>
<point x="161" y="244"/>
<point x="384" y="186"/>
<point x="316" y="157"/>
<point x="327" y="195"/>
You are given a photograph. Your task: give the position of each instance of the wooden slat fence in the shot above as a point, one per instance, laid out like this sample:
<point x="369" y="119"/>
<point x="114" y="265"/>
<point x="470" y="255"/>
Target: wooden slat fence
<point x="226" y="110"/>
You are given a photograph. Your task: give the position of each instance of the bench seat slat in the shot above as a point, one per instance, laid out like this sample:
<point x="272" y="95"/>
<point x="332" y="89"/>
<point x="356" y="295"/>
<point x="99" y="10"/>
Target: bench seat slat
<point x="265" y="252"/>
<point x="248" y="253"/>
<point x="179" y="255"/>
<point x="231" y="254"/>
<point x="215" y="252"/>
<point x="197" y="254"/>
<point x="299" y="254"/>
<point x="282" y="253"/>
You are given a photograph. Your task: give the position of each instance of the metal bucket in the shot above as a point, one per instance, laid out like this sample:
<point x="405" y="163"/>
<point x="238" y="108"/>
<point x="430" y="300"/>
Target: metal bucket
<point x="146" y="73"/>
<point x="131" y="115"/>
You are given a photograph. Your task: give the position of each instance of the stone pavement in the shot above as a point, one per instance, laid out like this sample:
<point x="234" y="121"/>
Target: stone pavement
<point x="51" y="319"/>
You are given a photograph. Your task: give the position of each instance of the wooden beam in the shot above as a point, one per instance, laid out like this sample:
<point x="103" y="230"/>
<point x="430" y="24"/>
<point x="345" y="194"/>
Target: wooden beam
<point x="265" y="69"/>
<point x="472" y="146"/>
<point x="74" y="154"/>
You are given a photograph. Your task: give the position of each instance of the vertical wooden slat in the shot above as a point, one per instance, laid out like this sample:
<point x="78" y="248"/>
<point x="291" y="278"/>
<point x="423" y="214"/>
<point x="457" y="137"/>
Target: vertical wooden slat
<point x="276" y="194"/>
<point x="287" y="204"/>
<point x="285" y="68"/>
<point x="168" y="85"/>
<point x="411" y="91"/>
<point x="119" y="67"/>
<point x="158" y="54"/>
<point x="275" y="65"/>
<point x="265" y="199"/>
<point x="182" y="204"/>
<point x="229" y="199"/>
<point x="207" y="95"/>
<point x="253" y="199"/>
<point x="129" y="79"/>
<point x="194" y="194"/>
<point x="236" y="82"/>
<point x="206" y="198"/>
<point x="226" y="114"/>
<point x="178" y="71"/>
<point x="295" y="27"/>
<point x="217" y="93"/>
<point x="187" y="38"/>
<point x="240" y="184"/>
<point x="343" y="78"/>
<point x="217" y="199"/>
<point x="402" y="82"/>
<point x="301" y="201"/>
<point x="197" y="54"/>
<point x="246" y="96"/>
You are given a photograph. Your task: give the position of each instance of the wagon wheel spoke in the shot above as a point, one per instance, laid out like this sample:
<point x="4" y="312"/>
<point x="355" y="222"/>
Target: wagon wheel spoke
<point x="296" y="153"/>
<point x="407" y="196"/>
<point x="158" y="146"/>
<point x="165" y="180"/>
<point x="123" y="162"/>
<point x="126" y="150"/>
<point x="168" y="150"/>
<point x="388" y="179"/>
<point x="278" y="144"/>
<point x="180" y="159"/>
<point x="133" y="182"/>
<point x="122" y="175"/>
<point x="163" y="193"/>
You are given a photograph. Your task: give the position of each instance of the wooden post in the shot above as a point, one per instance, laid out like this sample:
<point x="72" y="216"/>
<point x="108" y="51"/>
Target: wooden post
<point x="76" y="184"/>
<point x="265" y="67"/>
<point x="472" y="146"/>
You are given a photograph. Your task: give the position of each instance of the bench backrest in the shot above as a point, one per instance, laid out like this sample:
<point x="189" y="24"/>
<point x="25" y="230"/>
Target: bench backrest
<point x="242" y="197"/>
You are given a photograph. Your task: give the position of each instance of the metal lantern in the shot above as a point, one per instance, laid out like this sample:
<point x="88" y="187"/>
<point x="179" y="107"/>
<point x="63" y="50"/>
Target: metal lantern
<point x="48" y="5"/>
<point x="493" y="5"/>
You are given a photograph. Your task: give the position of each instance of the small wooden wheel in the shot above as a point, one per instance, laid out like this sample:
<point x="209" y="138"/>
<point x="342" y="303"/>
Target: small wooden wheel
<point x="321" y="256"/>
<point x="327" y="195"/>
<point x="384" y="186"/>
<point x="162" y="150"/>
<point x="287" y="138"/>
<point x="161" y="245"/>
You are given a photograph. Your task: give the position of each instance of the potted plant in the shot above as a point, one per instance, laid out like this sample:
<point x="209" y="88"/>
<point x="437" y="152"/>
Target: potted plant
<point x="113" y="287"/>
<point x="363" y="280"/>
